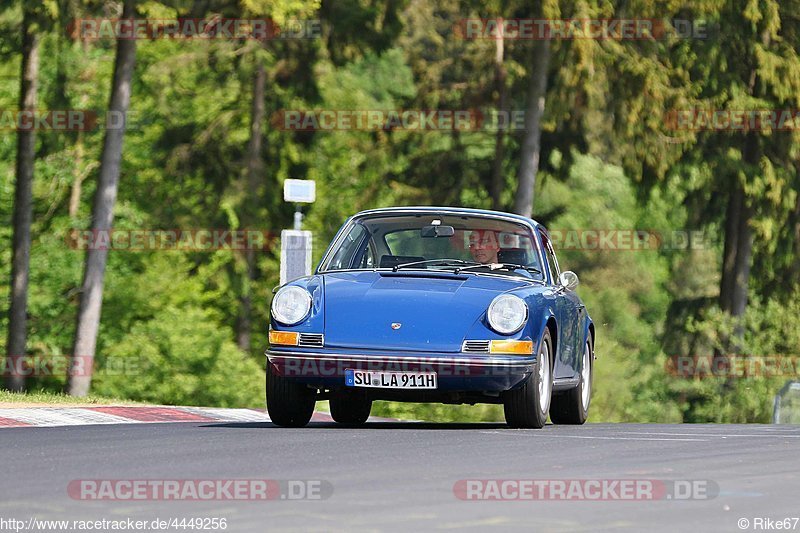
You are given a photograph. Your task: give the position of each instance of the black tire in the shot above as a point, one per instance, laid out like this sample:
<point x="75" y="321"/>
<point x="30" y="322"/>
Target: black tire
<point x="525" y="407"/>
<point x="289" y="403"/>
<point x="568" y="406"/>
<point x="350" y="409"/>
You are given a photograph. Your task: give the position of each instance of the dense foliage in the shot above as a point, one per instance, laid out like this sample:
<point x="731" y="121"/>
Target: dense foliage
<point x="609" y="161"/>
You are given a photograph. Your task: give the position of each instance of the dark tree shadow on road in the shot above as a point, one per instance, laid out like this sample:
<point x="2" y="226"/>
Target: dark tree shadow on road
<point x="368" y="425"/>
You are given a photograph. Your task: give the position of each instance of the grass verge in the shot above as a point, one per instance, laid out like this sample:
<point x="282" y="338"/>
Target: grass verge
<point x="44" y="398"/>
<point x="432" y="412"/>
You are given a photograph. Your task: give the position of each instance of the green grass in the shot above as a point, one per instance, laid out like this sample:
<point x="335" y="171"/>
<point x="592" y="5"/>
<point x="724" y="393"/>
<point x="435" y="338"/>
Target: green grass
<point x="436" y="412"/>
<point x="432" y="412"/>
<point x="52" y="398"/>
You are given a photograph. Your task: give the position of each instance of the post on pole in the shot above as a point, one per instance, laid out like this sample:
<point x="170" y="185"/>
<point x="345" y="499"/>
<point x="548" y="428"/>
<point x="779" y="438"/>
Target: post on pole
<point x="298" y="217"/>
<point x="296" y="243"/>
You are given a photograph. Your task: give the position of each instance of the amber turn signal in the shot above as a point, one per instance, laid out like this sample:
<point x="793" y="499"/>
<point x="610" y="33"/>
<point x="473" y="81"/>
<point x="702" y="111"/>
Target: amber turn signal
<point x="511" y="347"/>
<point x="287" y="338"/>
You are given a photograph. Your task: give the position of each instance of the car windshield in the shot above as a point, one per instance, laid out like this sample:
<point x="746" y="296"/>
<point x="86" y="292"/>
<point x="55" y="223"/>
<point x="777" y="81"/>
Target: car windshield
<point x="436" y="242"/>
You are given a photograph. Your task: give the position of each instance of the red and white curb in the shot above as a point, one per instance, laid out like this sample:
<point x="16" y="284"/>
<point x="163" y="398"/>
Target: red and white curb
<point x="82" y="416"/>
<point x="85" y="416"/>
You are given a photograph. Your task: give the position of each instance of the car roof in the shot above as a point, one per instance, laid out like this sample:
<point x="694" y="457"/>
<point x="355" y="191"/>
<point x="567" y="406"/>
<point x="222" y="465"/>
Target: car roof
<point x="448" y="211"/>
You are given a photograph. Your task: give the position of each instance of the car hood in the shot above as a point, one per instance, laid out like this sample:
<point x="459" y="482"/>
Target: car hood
<point x="434" y="311"/>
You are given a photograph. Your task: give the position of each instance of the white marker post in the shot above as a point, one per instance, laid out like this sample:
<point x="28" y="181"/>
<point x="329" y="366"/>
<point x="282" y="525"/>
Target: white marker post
<point x="296" y="244"/>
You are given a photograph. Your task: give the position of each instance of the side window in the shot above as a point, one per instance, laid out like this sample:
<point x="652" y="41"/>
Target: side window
<point x="347" y="249"/>
<point x="550" y="255"/>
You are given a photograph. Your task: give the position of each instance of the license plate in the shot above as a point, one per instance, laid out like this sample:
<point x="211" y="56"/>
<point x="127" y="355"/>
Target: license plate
<point x="390" y="380"/>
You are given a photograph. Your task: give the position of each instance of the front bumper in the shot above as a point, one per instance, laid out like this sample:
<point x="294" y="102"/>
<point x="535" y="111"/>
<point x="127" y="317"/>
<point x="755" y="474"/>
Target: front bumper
<point x="456" y="372"/>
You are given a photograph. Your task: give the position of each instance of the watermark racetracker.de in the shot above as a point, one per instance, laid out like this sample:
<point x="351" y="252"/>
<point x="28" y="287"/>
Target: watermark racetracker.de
<point x="68" y="120"/>
<point x="418" y="120"/>
<point x="584" y="489"/>
<point x="182" y="239"/>
<point x="628" y="239"/>
<point x="600" y="29"/>
<point x="733" y="366"/>
<point x="199" y="489"/>
<point x="47" y="365"/>
<point x="260" y="29"/>
<point x="732" y="120"/>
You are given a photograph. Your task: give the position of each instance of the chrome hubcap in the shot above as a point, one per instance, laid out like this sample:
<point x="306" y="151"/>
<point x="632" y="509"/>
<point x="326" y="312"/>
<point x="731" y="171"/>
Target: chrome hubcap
<point x="586" y="377"/>
<point x="545" y="383"/>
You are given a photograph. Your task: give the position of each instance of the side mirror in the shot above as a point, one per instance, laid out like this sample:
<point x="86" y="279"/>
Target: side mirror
<point x="433" y="231"/>
<point x="568" y="280"/>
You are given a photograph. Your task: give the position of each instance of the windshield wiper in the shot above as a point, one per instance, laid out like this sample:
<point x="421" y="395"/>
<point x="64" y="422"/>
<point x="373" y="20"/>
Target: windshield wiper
<point x="435" y="262"/>
<point x="500" y="266"/>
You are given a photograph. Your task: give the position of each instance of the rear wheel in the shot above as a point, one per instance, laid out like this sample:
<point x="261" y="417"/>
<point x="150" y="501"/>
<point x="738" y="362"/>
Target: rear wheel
<point x="527" y="406"/>
<point x="572" y="406"/>
<point x="289" y="403"/>
<point x="350" y="409"/>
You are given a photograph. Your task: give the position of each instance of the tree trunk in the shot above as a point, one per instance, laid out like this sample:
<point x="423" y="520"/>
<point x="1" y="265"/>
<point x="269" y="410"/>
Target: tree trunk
<point x="738" y="251"/>
<point x="21" y="253"/>
<point x="733" y="213"/>
<point x="531" y="149"/>
<point x="743" y="260"/>
<point x="91" y="298"/>
<point x="500" y="75"/>
<point x="744" y="254"/>
<point x="250" y="203"/>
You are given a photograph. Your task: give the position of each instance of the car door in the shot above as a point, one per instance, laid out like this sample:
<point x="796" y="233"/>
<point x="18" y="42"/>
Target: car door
<point x="567" y="309"/>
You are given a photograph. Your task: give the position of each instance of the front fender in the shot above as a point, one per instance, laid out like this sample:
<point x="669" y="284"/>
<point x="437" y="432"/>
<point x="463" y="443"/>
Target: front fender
<point x="541" y="309"/>
<point x="588" y="331"/>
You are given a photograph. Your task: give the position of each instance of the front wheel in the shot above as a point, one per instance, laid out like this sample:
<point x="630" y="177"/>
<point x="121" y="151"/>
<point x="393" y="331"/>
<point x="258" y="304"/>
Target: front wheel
<point x="289" y="403"/>
<point x="527" y="406"/>
<point x="572" y="406"/>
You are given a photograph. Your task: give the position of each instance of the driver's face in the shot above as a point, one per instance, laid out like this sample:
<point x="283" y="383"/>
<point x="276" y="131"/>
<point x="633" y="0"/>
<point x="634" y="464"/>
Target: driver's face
<point x="483" y="246"/>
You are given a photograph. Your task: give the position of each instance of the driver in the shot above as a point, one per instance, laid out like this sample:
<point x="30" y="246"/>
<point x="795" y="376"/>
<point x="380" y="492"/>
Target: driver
<point x="483" y="246"/>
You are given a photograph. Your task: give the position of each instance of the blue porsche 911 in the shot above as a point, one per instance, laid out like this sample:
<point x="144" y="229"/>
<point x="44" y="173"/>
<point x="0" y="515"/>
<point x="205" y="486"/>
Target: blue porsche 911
<point x="430" y="304"/>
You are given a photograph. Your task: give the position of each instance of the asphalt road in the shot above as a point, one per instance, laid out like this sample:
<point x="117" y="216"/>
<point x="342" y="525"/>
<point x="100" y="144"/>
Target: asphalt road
<point x="393" y="476"/>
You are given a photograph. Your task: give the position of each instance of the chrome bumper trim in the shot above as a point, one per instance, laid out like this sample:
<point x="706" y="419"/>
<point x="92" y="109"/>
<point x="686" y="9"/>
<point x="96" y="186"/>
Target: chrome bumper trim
<point x="484" y="360"/>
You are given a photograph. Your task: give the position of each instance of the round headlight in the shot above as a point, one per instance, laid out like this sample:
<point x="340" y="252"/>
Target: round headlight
<point x="507" y="314"/>
<point x="291" y="305"/>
